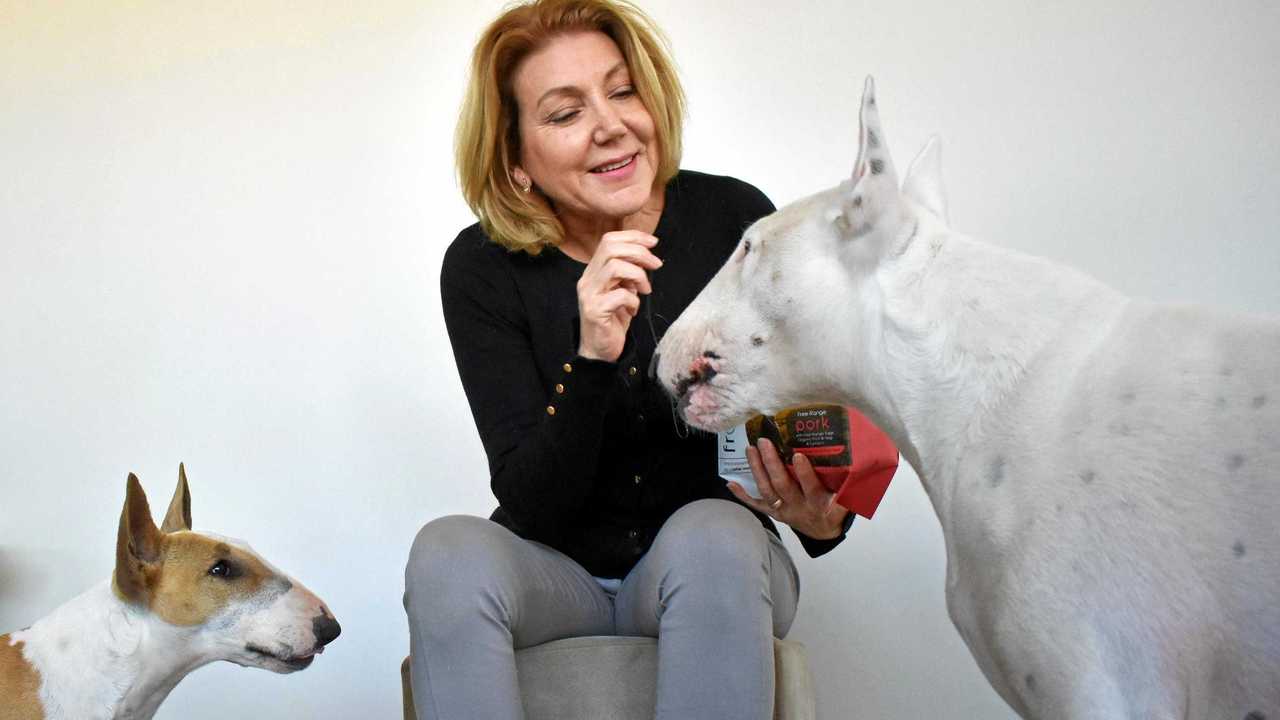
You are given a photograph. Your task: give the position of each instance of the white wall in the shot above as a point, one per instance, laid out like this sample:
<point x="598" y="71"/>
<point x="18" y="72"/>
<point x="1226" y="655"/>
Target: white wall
<point x="221" y="226"/>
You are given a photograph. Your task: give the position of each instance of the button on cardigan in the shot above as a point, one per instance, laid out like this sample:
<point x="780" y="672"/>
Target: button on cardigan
<point x="585" y="455"/>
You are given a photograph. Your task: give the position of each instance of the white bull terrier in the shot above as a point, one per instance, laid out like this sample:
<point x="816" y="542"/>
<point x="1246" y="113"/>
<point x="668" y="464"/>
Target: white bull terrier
<point x="177" y="600"/>
<point x="1106" y="471"/>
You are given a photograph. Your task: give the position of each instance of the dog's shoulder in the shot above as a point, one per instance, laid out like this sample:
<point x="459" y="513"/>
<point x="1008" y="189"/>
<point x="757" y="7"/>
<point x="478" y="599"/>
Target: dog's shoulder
<point x="19" y="682"/>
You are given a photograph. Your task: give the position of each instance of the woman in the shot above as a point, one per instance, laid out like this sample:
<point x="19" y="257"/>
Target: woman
<point x="612" y="518"/>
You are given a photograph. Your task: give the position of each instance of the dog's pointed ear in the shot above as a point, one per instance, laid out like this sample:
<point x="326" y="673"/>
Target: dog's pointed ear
<point x="137" y="544"/>
<point x="179" y="515"/>
<point x="874" y="187"/>
<point x="924" y="180"/>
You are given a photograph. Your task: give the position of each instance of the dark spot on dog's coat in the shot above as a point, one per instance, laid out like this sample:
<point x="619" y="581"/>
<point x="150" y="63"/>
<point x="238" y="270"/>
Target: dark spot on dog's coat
<point x="873" y="140"/>
<point x="1235" y="461"/>
<point x="1238" y="549"/>
<point x="1088" y="476"/>
<point x="756" y="340"/>
<point x="877" y="166"/>
<point x="1031" y="682"/>
<point x="1226" y="372"/>
<point x="1255" y="715"/>
<point x="1128" y="397"/>
<point x="857" y="201"/>
<point x="1259" y="401"/>
<point x="995" y="474"/>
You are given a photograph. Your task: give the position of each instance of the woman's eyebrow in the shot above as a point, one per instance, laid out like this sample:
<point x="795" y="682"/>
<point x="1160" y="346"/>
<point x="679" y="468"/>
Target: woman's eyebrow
<point x="573" y="90"/>
<point x="622" y="65"/>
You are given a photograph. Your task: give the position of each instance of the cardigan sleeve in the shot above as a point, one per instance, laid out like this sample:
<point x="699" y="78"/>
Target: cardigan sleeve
<point x="543" y="449"/>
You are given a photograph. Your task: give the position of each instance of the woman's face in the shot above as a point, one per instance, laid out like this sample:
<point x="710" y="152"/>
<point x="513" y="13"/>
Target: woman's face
<point x="586" y="140"/>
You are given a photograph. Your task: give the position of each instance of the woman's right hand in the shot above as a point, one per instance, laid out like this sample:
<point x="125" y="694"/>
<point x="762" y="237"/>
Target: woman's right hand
<point x="609" y="291"/>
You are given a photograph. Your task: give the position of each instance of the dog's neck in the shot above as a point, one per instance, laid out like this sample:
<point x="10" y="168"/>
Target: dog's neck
<point x="961" y="325"/>
<point x="101" y="658"/>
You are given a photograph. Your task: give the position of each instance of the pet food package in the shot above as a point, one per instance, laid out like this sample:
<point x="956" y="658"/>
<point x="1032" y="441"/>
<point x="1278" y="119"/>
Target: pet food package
<point x="849" y="454"/>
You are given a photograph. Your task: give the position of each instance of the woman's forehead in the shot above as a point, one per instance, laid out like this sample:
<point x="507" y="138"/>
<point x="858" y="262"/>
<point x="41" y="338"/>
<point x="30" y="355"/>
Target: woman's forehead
<point x="568" y="61"/>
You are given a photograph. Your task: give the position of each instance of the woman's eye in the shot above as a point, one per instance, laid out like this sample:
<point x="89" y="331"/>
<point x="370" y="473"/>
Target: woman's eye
<point x="564" y="117"/>
<point x="624" y="92"/>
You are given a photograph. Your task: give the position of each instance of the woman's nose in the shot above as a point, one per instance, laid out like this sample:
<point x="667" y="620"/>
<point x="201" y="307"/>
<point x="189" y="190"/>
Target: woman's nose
<point x="609" y="127"/>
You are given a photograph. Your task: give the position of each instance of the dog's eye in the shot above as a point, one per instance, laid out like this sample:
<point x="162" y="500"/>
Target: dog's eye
<point x="222" y="569"/>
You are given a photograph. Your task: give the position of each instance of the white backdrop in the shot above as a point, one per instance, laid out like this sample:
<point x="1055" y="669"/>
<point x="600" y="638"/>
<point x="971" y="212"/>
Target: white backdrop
<point x="221" y="227"/>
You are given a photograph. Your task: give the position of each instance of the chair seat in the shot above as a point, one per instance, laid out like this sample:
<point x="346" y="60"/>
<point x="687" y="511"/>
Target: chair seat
<point x="592" y="678"/>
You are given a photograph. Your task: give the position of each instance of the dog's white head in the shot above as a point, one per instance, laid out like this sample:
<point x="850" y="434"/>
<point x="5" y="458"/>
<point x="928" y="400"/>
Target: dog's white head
<point x="217" y="594"/>
<point x="782" y="323"/>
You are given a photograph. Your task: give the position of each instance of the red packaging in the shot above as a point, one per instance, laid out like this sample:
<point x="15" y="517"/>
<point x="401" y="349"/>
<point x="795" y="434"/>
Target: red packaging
<point x="849" y="454"/>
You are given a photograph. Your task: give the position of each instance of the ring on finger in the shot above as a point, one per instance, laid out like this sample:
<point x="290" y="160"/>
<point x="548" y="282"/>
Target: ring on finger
<point x="776" y="504"/>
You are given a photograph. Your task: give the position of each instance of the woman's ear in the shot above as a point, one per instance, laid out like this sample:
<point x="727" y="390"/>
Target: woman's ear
<point x="521" y="178"/>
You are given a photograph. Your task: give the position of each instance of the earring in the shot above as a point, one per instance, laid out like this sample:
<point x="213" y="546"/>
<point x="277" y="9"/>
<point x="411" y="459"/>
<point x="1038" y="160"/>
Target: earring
<point x="523" y="181"/>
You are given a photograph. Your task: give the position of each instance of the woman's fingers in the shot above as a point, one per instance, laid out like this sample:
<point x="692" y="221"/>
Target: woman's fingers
<point x="761" y="475"/>
<point x="805" y="475"/>
<point x="806" y="504"/>
<point x="608" y="273"/>
<point x="630" y="245"/>
<point x="754" y="503"/>
<point x="620" y="299"/>
<point x="609" y="291"/>
<point x="619" y="271"/>
<point x="779" y="478"/>
<point x="631" y="252"/>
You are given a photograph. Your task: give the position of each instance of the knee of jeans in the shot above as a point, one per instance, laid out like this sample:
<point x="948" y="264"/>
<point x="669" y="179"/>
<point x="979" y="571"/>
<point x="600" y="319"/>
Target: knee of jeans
<point x="454" y="561"/>
<point x="714" y="539"/>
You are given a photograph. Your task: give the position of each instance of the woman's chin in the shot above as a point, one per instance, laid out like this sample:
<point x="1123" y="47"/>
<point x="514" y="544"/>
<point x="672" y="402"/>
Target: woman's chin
<point x="622" y="199"/>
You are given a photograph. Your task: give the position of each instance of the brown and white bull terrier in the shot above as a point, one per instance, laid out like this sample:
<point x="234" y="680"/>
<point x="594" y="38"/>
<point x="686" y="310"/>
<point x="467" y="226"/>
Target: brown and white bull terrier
<point x="176" y="601"/>
<point x="1106" y="470"/>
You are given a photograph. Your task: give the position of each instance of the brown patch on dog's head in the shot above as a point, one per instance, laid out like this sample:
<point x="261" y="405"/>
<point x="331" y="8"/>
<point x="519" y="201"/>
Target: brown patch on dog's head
<point x="201" y="576"/>
<point x="185" y="578"/>
<point x="19" y="684"/>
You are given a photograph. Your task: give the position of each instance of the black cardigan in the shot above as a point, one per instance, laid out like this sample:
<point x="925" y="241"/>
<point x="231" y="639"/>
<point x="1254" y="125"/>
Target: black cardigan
<point x="584" y="455"/>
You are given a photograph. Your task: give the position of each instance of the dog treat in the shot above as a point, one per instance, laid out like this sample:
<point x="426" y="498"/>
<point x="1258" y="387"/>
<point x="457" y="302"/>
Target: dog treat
<point x="849" y="454"/>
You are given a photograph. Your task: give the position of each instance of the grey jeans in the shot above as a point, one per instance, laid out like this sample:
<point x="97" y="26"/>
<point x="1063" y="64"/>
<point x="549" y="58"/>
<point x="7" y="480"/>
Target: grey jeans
<point x="716" y="587"/>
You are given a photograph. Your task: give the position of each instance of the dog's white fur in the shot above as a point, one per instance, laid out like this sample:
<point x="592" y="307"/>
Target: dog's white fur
<point x="102" y="656"/>
<point x="1106" y="471"/>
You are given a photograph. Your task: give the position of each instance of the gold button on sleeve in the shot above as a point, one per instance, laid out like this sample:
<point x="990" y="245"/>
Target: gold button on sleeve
<point x="551" y="409"/>
<point x="559" y="389"/>
<point x="632" y="370"/>
<point x="568" y="367"/>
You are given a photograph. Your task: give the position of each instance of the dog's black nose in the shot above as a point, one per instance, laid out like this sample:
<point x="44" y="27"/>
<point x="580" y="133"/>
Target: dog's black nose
<point x="653" y="367"/>
<point x="326" y="629"/>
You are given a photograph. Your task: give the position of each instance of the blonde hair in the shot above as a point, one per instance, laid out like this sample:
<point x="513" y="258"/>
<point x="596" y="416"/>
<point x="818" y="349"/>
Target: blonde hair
<point x="487" y="141"/>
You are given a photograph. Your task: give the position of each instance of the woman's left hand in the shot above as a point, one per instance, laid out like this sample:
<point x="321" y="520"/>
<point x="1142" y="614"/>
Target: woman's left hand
<point x="804" y="502"/>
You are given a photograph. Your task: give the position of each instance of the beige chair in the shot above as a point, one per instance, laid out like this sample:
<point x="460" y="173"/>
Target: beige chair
<point x="615" y="678"/>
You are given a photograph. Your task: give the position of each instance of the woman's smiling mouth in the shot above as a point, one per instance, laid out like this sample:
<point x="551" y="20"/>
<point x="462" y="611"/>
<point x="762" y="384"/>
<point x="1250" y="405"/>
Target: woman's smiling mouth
<point x="615" y="166"/>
